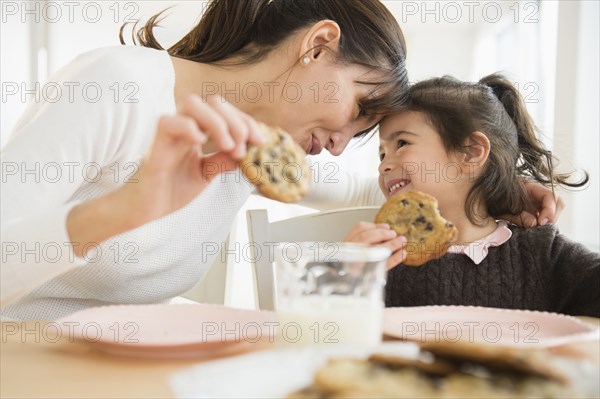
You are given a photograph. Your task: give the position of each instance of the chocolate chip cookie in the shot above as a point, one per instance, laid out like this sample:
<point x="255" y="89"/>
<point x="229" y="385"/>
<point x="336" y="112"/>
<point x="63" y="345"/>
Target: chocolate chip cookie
<point x="415" y="215"/>
<point x="279" y="168"/>
<point x="448" y="371"/>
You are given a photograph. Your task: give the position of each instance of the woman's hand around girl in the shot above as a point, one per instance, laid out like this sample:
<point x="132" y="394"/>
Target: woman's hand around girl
<point x="379" y="234"/>
<point x="547" y="207"/>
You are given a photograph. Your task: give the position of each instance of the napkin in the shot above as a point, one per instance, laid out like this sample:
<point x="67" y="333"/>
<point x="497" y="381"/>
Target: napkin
<point x="268" y="374"/>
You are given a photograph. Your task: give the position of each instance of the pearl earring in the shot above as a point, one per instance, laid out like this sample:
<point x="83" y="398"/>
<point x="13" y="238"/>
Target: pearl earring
<point x="306" y="60"/>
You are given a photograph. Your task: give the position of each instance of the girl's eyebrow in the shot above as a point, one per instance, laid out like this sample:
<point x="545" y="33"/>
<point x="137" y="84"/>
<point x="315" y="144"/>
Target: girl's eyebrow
<point x="395" y="134"/>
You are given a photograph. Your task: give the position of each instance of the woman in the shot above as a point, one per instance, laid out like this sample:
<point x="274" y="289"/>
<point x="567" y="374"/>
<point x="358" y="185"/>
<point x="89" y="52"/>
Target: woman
<point x="325" y="71"/>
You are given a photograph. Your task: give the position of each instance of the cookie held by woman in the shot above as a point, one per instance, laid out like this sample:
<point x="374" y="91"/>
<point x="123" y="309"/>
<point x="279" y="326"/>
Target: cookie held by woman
<point x="279" y="168"/>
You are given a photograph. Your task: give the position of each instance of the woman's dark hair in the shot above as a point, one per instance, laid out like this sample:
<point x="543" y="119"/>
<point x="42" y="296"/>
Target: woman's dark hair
<point x="494" y="107"/>
<point x="242" y="32"/>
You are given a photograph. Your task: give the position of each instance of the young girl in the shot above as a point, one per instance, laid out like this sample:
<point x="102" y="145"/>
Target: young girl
<point x="469" y="145"/>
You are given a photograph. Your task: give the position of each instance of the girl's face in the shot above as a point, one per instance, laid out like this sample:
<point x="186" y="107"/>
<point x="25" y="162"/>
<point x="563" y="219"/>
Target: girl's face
<point x="320" y="106"/>
<point x="413" y="158"/>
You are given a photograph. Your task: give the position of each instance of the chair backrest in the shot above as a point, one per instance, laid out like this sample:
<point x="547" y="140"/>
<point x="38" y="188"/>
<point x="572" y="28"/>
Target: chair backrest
<point x="322" y="226"/>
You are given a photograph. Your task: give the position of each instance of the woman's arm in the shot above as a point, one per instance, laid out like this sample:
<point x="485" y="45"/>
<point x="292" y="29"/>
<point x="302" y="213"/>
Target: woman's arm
<point x="173" y="173"/>
<point x="60" y="143"/>
<point x="45" y="231"/>
<point x="334" y="188"/>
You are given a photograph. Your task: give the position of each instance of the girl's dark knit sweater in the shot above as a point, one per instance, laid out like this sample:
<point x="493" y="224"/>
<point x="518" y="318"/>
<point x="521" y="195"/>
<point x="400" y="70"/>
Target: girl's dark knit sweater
<point x="536" y="269"/>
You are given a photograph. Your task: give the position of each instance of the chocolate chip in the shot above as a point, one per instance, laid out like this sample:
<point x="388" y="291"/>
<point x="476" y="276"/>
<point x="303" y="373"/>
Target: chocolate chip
<point x="449" y="225"/>
<point x="291" y="175"/>
<point x="429" y="227"/>
<point x="272" y="177"/>
<point x="273" y="153"/>
<point x="405" y="202"/>
<point x="421" y="219"/>
<point x="421" y="205"/>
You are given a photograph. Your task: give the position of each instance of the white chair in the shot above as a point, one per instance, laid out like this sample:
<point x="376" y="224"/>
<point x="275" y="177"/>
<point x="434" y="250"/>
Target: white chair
<point x="322" y="226"/>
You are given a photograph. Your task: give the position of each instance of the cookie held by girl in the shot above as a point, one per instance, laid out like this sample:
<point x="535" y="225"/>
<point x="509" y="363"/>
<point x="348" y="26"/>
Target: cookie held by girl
<point x="415" y="216"/>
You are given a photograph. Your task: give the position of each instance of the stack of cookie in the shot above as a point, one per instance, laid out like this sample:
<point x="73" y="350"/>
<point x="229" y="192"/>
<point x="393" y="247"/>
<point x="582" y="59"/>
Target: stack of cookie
<point x="446" y="370"/>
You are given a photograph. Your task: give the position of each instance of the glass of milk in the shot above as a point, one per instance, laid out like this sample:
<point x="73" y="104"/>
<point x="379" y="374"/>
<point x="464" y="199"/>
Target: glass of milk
<point x="329" y="293"/>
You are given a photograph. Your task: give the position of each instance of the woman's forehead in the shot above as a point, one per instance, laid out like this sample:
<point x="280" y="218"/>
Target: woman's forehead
<point x="371" y="84"/>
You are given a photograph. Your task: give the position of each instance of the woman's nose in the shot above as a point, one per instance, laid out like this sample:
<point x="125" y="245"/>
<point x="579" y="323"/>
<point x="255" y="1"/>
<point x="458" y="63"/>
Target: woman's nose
<point x="337" y="143"/>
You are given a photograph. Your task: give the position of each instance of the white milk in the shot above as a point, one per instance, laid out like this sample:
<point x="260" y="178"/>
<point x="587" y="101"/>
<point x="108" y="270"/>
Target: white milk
<point x="330" y="320"/>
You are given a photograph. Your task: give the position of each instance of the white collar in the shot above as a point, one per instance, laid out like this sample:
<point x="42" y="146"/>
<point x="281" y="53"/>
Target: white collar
<point x="478" y="250"/>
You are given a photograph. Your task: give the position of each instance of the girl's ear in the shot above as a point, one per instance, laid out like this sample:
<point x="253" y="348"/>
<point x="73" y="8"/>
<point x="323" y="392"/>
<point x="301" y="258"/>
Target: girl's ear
<point x="323" y="33"/>
<point x="475" y="152"/>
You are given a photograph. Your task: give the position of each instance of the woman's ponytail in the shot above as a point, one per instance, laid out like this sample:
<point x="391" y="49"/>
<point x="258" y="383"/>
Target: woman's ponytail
<point x="224" y="30"/>
<point x="534" y="159"/>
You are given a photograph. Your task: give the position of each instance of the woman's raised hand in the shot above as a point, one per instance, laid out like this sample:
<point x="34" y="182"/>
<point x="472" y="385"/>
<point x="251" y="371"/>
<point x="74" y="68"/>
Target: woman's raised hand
<point x="177" y="168"/>
<point x="204" y="139"/>
<point x="379" y="234"/>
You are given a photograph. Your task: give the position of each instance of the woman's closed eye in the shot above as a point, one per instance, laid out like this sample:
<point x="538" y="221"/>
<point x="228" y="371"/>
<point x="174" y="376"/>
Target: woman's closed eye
<point x="361" y="113"/>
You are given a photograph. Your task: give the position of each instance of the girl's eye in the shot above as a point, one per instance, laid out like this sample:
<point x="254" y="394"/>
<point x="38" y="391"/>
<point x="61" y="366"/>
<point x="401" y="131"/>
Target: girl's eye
<point x="402" y="143"/>
<point x="381" y="156"/>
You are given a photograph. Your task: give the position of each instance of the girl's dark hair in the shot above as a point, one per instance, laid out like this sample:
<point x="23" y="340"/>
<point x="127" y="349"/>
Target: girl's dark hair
<point x="494" y="107"/>
<point x="242" y="32"/>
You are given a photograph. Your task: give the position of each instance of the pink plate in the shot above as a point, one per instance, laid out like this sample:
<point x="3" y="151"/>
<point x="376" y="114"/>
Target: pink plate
<point x="522" y="328"/>
<point x="177" y="330"/>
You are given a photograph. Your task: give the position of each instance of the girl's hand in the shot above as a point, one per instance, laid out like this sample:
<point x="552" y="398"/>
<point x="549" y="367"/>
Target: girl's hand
<point x="548" y="207"/>
<point x="379" y="234"/>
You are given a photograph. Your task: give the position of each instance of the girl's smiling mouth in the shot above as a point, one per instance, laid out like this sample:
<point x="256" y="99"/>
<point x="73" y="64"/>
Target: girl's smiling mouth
<point x="396" y="185"/>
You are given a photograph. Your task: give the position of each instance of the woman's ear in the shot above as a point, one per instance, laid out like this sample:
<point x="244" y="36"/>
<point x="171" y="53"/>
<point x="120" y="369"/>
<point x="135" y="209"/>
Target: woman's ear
<point x="475" y="152"/>
<point x="323" y="33"/>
